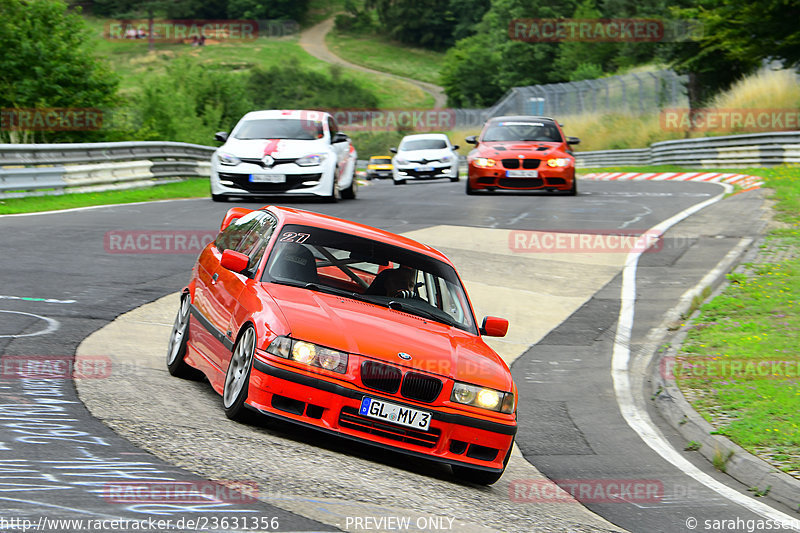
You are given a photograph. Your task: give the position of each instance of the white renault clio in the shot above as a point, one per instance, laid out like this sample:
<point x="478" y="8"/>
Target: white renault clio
<point x="424" y="156"/>
<point x="277" y="152"/>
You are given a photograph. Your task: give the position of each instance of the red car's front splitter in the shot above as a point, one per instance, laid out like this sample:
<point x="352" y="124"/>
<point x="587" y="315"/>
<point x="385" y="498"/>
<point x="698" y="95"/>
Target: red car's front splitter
<point x="331" y="407"/>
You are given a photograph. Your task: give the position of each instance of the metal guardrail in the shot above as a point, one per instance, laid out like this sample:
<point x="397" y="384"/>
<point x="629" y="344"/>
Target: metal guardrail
<point x="42" y="169"/>
<point x="754" y="150"/>
<point x="59" y="154"/>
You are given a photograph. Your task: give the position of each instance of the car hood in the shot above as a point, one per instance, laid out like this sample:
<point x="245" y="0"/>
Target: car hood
<point x="418" y="155"/>
<point x="505" y="149"/>
<point x="362" y="328"/>
<point x="277" y="148"/>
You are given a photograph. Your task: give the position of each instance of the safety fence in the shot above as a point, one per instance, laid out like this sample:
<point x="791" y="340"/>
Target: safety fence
<point x="40" y="169"/>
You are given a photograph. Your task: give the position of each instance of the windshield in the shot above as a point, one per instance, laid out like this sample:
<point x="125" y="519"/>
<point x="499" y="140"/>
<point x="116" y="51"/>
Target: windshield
<point x="522" y="131"/>
<point x="279" y="128"/>
<point x="380" y="160"/>
<point x="423" y="144"/>
<point x="364" y="269"/>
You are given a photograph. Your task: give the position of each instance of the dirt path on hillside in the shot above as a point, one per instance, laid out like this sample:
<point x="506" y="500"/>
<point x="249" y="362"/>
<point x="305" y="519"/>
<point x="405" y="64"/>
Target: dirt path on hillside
<point x="313" y="41"/>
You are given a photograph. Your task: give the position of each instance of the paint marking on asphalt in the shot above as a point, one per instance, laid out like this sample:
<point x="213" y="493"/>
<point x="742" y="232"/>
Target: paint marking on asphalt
<point x="37" y="504"/>
<point x="91" y="207"/>
<point x="44" y="300"/>
<point x="638" y="418"/>
<point x="52" y="325"/>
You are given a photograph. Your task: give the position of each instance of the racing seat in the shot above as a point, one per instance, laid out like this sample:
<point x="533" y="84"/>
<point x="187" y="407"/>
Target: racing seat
<point x="295" y="262"/>
<point x="378" y="285"/>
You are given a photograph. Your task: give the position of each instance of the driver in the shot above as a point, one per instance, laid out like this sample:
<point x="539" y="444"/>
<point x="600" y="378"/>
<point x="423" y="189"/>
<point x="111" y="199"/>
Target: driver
<point x="400" y="282"/>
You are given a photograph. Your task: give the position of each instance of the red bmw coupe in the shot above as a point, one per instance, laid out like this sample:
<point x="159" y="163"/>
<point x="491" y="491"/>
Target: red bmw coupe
<point x="521" y="153"/>
<point x="350" y="330"/>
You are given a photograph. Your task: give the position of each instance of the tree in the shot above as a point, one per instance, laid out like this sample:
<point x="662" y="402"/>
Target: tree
<point x="479" y="69"/>
<point x="467" y="14"/>
<point x="268" y="9"/>
<point x="46" y="59"/>
<point x="426" y="23"/>
<point x="582" y="60"/>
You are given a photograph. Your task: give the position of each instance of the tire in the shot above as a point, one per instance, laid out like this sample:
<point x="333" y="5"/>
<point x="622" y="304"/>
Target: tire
<point x="574" y="190"/>
<point x="470" y="190"/>
<point x="335" y="194"/>
<point x="481" y="477"/>
<point x="237" y="377"/>
<point x="454" y="180"/>
<point x="350" y="192"/>
<point x="399" y="182"/>
<point x="178" y="340"/>
<point x="218" y="198"/>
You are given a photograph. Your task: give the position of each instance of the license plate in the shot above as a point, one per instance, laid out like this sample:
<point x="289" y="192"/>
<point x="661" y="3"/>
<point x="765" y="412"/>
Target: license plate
<point x="268" y="178"/>
<point x="396" y="414"/>
<point x="522" y="173"/>
<point x="424" y="169"/>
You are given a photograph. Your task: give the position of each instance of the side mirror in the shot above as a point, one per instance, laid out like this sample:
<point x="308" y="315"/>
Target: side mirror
<point x="494" y="326"/>
<point x="393" y="150"/>
<point x="221" y="136"/>
<point x="235" y="261"/>
<point x="471" y="140"/>
<point x="339" y="137"/>
<point x="233" y="214"/>
<point x="573" y="140"/>
<point x="456" y="147"/>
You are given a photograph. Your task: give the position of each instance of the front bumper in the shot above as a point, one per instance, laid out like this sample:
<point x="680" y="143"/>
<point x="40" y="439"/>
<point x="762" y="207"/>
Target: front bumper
<point x="412" y="172"/>
<point x="495" y="178"/>
<point x="236" y="180"/>
<point x="452" y="438"/>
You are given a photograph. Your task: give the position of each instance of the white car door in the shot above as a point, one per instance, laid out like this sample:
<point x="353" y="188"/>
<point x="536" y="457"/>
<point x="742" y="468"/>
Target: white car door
<point x="341" y="149"/>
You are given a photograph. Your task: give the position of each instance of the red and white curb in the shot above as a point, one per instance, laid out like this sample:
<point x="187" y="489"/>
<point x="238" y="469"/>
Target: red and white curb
<point x="747" y="183"/>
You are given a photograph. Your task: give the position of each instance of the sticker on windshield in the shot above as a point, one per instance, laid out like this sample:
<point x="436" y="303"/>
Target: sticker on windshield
<point x="291" y="236"/>
<point x="539" y="124"/>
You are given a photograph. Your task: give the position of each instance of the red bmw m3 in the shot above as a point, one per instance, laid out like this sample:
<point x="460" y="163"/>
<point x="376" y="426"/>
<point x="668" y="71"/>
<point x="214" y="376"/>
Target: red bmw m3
<point x="350" y="330"/>
<point x="521" y="153"/>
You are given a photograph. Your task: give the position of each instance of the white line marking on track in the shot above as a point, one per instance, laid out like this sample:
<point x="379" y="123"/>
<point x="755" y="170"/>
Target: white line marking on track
<point x="43" y="300"/>
<point x="637" y="417"/>
<point x="52" y="325"/>
<point x="62" y="507"/>
<point x="91" y="207"/>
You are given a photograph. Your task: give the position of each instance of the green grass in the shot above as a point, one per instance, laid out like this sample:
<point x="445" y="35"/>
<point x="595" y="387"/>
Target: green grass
<point x="320" y="10"/>
<point x="378" y="53"/>
<point x="754" y="321"/>
<point x="191" y="188"/>
<point x="132" y="61"/>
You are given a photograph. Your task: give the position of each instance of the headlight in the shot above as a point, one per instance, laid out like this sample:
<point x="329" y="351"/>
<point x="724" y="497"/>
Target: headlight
<point x="400" y="161"/>
<point x="228" y="159"/>
<point x="558" y="162"/>
<point x="311" y="160"/>
<point x="304" y="352"/>
<point x="484" y="162"/>
<point x="446" y="158"/>
<point x="482" y="397"/>
<point x="309" y="354"/>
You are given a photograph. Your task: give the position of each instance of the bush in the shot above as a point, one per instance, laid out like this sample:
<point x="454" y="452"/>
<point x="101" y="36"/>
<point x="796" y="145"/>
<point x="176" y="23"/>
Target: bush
<point x="291" y="87"/>
<point x="190" y="103"/>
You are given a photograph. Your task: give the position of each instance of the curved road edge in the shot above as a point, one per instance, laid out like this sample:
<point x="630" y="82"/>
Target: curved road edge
<point x="743" y="466"/>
